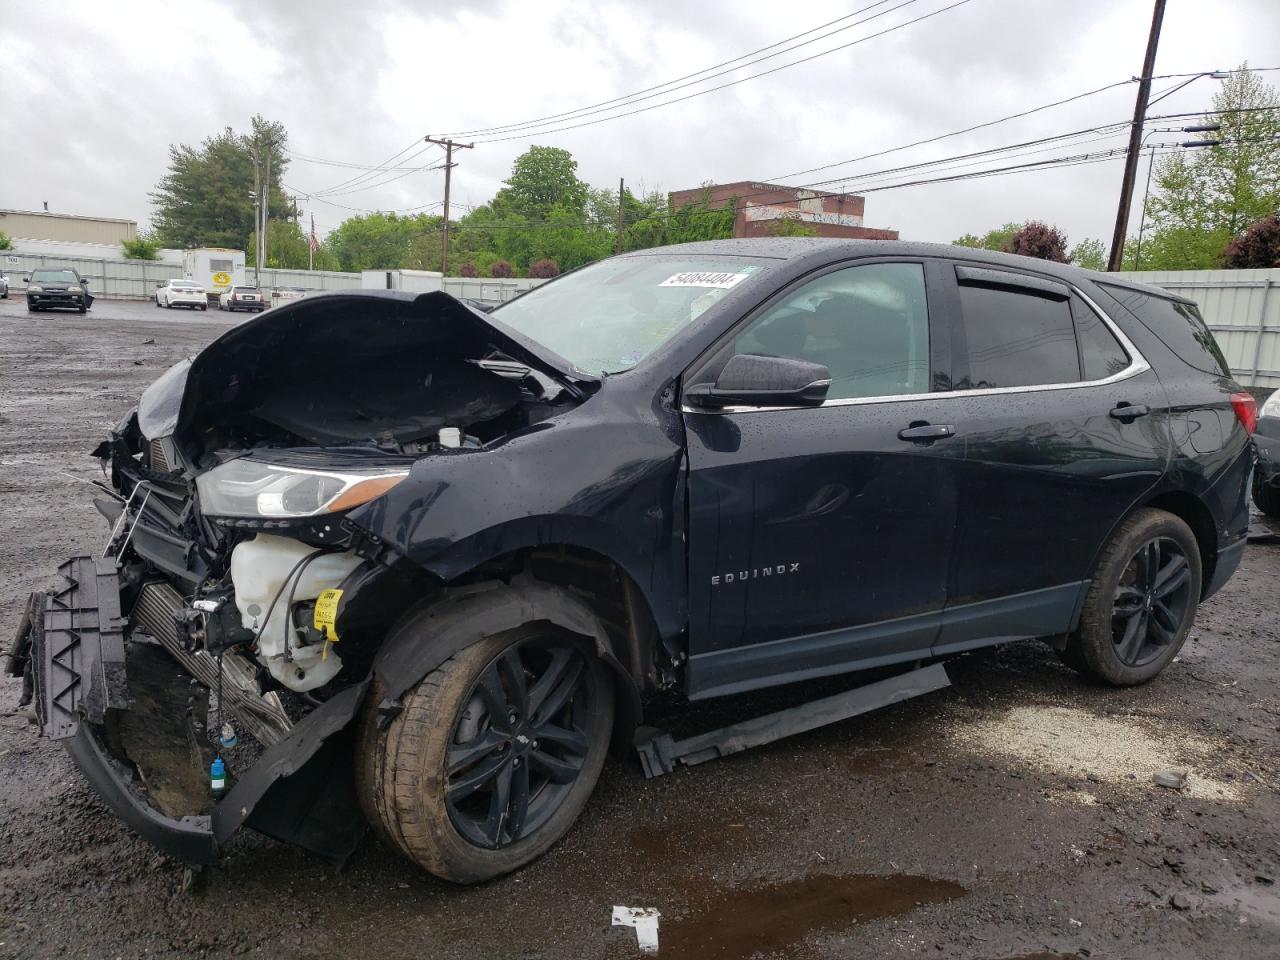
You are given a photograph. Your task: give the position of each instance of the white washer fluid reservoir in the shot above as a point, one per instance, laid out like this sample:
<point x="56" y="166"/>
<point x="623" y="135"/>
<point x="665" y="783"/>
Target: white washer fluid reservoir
<point x="259" y="568"/>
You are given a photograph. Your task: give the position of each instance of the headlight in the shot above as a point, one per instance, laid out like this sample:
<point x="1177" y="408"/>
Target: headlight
<point x="250" y="488"/>
<point x="34" y="288"/>
<point x="1272" y="407"/>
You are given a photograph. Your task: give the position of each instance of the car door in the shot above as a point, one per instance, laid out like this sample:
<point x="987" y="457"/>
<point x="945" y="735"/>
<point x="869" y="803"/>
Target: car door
<point x="820" y="537"/>
<point x="1065" y="427"/>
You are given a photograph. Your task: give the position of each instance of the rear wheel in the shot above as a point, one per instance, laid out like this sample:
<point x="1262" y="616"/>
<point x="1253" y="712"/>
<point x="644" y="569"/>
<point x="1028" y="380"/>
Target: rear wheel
<point x="1266" y="496"/>
<point x="493" y="755"/>
<point x="1141" y="603"/>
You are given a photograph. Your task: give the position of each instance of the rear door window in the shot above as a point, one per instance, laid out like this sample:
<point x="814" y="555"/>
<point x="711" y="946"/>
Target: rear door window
<point x="1178" y="324"/>
<point x="1014" y="337"/>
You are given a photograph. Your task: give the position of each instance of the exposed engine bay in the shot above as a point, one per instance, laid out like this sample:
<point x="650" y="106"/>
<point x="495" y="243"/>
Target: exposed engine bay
<point x="235" y="473"/>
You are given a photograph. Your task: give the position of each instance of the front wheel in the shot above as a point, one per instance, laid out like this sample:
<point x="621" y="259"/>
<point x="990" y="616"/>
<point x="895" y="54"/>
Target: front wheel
<point x="1141" y="603"/>
<point x="493" y="755"/>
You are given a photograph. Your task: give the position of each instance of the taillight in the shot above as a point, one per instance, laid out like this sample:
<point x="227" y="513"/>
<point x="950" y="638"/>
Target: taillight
<point x="1246" y="408"/>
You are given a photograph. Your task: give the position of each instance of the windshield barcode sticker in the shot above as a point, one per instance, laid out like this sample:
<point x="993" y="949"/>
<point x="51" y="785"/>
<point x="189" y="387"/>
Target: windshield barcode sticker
<point x="719" y="281"/>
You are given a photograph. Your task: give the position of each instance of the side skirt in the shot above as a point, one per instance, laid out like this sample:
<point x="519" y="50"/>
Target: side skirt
<point x="659" y="753"/>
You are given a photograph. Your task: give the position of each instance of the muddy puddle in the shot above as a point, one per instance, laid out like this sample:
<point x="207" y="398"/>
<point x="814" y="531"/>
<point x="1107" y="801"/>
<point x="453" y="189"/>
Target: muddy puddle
<point x="777" y="918"/>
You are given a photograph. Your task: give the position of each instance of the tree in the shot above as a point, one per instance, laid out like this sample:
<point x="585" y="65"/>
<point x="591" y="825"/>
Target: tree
<point x="1259" y="246"/>
<point x="791" y="226"/>
<point x="1090" y="254"/>
<point x="288" y="248"/>
<point x="501" y="268"/>
<point x="387" y="241"/>
<point x="997" y="239"/>
<point x="544" y="269"/>
<point x="5" y="242"/>
<point x="205" y="199"/>
<point x="1204" y="197"/>
<point x="142" y="247"/>
<point x="1039" y="240"/>
<point x="542" y="180"/>
<point x="468" y="269"/>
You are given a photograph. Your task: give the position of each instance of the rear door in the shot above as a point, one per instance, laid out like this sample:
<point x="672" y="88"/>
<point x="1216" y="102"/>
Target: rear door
<point x="1065" y="428"/>
<point x="820" y="538"/>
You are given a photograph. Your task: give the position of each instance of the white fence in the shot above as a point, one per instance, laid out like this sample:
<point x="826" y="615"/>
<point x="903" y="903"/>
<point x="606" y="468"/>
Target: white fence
<point x="1241" y="307"/>
<point x="487" y="289"/>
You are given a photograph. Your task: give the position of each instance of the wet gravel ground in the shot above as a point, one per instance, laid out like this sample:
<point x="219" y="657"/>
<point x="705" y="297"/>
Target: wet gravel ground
<point x="1013" y="815"/>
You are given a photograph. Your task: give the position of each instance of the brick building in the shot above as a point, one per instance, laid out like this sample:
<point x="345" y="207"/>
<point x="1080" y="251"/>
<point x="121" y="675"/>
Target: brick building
<point x="762" y="205"/>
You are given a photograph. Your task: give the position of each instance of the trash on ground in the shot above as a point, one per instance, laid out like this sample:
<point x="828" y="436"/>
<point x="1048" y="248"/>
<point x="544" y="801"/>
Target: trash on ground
<point x="645" y="921"/>
<point x="1173" y="779"/>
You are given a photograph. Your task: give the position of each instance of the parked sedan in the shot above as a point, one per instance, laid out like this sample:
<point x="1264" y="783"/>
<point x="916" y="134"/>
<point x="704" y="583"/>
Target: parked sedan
<point x="242" y="298"/>
<point x="285" y="294"/>
<point x="182" y="293"/>
<point x="1266" y="473"/>
<point x="47" y="289"/>
<point x="4" y="287"/>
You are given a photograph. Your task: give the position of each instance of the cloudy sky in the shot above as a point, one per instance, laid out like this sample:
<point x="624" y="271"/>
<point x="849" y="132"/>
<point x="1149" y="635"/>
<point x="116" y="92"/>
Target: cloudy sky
<point x="355" y="83"/>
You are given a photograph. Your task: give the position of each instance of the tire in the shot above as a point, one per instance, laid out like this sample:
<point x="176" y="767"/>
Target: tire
<point x="1266" y="496"/>
<point x="1134" y="621"/>
<point x="32" y="308"/>
<point x="401" y="771"/>
<point x="83" y="309"/>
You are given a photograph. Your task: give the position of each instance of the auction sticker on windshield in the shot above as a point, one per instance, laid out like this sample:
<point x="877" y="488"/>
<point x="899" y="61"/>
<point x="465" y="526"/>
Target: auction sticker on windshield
<point x="720" y="281"/>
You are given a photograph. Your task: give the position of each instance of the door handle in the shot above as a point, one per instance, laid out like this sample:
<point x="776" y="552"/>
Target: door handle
<point x="927" y="431"/>
<point x="1127" y="412"/>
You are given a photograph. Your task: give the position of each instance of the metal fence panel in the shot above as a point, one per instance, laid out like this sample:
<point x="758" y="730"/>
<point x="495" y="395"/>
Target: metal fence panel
<point x="1242" y="308"/>
<point x="124" y="279"/>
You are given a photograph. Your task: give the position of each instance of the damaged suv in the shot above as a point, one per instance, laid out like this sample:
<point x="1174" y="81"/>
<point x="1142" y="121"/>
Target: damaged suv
<point x="422" y="566"/>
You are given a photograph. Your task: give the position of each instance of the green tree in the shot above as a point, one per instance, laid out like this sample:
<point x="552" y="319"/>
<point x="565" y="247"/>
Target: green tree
<point x="543" y="179"/>
<point x="997" y="239"/>
<point x="144" y="246"/>
<point x="5" y="242"/>
<point x="288" y="248"/>
<point x="1201" y="198"/>
<point x="387" y="241"/>
<point x="205" y="199"/>
<point x="1089" y="253"/>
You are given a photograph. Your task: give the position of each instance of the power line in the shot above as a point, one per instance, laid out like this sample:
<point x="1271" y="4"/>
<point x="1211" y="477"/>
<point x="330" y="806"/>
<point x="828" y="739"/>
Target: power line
<point x="637" y="97"/>
<point x="731" y="83"/>
<point x="343" y="163"/>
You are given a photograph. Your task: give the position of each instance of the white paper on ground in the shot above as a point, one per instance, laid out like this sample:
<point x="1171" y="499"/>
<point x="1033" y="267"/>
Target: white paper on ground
<point x="645" y="920"/>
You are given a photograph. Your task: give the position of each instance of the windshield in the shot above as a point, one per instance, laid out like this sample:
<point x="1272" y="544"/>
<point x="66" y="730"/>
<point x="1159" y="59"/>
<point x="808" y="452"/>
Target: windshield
<point x="609" y="316"/>
<point x="54" y="276"/>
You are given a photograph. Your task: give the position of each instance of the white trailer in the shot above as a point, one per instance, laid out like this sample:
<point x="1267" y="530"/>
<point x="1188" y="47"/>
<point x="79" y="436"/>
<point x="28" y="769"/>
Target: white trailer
<point x="415" y="281"/>
<point x="217" y="269"/>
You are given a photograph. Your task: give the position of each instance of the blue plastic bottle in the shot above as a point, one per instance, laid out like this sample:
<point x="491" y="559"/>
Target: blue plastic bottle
<point x="218" y="778"/>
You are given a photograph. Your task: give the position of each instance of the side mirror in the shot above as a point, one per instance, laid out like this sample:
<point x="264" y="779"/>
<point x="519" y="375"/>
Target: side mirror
<point x="84" y="283"/>
<point x="763" y="381"/>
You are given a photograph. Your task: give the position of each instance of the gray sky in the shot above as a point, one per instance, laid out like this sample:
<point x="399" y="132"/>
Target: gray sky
<point x="356" y="83"/>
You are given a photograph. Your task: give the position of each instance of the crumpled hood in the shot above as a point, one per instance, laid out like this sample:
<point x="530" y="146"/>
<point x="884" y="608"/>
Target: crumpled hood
<point x="349" y="367"/>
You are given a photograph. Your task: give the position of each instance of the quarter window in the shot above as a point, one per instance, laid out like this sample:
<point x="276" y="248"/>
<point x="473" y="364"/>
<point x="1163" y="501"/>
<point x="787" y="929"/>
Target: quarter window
<point x="1016" y="338"/>
<point x="869" y="325"/>
<point x="1101" y="355"/>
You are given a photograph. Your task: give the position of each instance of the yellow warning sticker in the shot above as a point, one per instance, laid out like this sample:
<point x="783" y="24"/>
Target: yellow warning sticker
<point x="222" y="279"/>
<point x="326" y="614"/>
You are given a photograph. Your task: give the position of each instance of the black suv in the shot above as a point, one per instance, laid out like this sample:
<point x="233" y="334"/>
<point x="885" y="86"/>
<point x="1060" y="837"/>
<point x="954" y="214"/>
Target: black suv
<point x="57" y="288"/>
<point x="443" y="557"/>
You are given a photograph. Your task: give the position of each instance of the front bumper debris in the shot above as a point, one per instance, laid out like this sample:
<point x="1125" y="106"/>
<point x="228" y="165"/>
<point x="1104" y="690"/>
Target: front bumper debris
<point x="76" y="657"/>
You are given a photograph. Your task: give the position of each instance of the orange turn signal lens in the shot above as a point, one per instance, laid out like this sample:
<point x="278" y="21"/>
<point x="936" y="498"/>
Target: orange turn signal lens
<point x="363" y="492"/>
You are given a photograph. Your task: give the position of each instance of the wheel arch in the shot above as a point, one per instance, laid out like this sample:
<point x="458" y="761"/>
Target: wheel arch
<point x="572" y="589"/>
<point x="1192" y="511"/>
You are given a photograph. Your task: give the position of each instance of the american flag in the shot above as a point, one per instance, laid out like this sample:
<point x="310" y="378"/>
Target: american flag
<point x="315" y="244"/>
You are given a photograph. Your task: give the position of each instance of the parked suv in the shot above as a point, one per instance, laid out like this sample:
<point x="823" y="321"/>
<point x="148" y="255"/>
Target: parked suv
<point x="47" y="289"/>
<point x="439" y="559"/>
<point x="1266" y="476"/>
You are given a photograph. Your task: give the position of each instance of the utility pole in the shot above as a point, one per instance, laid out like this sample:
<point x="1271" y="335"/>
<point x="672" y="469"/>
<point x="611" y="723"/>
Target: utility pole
<point x="617" y="232"/>
<point x="1135" y="140"/>
<point x="448" y="169"/>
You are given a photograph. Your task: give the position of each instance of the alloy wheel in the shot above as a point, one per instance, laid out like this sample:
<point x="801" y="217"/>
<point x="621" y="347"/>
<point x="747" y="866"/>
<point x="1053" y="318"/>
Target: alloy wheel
<point x="1151" y="602"/>
<point x="520" y="743"/>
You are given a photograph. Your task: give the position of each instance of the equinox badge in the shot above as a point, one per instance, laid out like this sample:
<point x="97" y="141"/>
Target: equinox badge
<point x="755" y="573"/>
